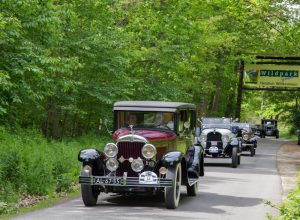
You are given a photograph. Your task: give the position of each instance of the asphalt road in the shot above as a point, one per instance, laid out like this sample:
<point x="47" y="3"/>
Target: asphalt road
<point x="224" y="193"/>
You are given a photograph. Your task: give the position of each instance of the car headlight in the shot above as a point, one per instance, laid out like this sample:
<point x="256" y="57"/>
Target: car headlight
<point x="148" y="151"/>
<point x="225" y="138"/>
<point x="245" y="136"/>
<point x="110" y="150"/>
<point x="137" y="165"/>
<point x="112" y="164"/>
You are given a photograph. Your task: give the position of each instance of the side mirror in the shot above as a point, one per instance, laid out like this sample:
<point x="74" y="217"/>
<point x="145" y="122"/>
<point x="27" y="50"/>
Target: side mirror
<point x="104" y="123"/>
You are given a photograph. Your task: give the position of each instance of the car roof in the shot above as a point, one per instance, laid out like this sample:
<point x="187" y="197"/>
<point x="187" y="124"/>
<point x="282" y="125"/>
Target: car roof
<point x="152" y="106"/>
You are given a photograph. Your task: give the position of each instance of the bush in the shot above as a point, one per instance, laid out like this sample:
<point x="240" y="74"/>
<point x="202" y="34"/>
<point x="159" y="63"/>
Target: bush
<point x="31" y="165"/>
<point x="290" y="209"/>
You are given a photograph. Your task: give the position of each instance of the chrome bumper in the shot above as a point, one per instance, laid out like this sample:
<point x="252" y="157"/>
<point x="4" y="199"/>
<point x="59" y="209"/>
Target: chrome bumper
<point x="120" y="181"/>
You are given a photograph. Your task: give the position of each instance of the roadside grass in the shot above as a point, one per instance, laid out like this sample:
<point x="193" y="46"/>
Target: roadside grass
<point x="285" y="133"/>
<point x="289" y="209"/>
<point x="51" y="201"/>
<point x="35" y="172"/>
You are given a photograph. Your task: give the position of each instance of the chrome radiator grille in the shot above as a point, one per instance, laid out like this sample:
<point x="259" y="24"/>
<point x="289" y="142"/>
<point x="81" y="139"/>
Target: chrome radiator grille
<point x="127" y="150"/>
<point x="214" y="137"/>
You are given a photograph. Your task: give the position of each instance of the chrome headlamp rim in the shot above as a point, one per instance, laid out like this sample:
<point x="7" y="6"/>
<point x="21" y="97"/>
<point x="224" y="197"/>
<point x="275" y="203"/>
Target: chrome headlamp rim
<point x="245" y="136"/>
<point x="149" y="154"/>
<point x="112" y="164"/>
<point x="137" y="165"/>
<point x="110" y="150"/>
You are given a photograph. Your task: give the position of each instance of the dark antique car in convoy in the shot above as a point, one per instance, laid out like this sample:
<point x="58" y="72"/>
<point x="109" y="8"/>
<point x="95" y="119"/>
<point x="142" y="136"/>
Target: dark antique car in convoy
<point x="249" y="140"/>
<point x="219" y="139"/>
<point x="257" y="128"/>
<point x="269" y="128"/>
<point x="154" y="151"/>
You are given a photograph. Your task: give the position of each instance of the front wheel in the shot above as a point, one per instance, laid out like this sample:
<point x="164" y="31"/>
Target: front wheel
<point x="172" y="193"/>
<point x="252" y="151"/>
<point x="192" y="190"/>
<point x="234" y="157"/>
<point x="89" y="194"/>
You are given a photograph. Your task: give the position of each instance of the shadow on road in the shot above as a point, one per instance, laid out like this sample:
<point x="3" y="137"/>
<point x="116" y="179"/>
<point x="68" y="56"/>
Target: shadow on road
<point x="204" y="202"/>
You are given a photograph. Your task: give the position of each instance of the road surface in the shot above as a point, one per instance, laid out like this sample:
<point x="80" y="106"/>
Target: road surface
<point x="224" y="193"/>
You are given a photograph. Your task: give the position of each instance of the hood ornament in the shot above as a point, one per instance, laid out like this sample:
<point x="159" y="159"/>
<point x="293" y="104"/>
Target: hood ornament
<point x="131" y="129"/>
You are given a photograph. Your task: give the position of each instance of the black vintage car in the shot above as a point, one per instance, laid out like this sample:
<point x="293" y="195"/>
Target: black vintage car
<point x="219" y="139"/>
<point x="154" y="152"/>
<point x="249" y="140"/>
<point x="269" y="128"/>
<point x="257" y="128"/>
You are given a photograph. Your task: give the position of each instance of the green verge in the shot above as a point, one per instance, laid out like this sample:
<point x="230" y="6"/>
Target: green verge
<point x="289" y="209"/>
<point x="33" y="168"/>
<point x="51" y="201"/>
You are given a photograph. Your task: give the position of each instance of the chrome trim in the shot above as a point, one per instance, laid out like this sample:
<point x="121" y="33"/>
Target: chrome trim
<point x="127" y="181"/>
<point x="132" y="138"/>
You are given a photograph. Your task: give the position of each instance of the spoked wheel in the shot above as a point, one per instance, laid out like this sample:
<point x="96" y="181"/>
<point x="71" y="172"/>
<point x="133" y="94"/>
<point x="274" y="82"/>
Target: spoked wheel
<point x="192" y="190"/>
<point x="89" y="193"/>
<point x="234" y="157"/>
<point x="172" y="193"/>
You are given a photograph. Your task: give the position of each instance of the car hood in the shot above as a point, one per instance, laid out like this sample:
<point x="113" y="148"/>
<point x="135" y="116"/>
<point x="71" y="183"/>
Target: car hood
<point x="147" y="134"/>
<point x="220" y="130"/>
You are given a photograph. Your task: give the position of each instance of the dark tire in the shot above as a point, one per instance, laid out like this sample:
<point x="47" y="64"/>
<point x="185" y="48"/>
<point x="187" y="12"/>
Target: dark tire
<point x="89" y="194"/>
<point x="234" y="157"/>
<point x="214" y="155"/>
<point x="277" y="136"/>
<point x="192" y="190"/>
<point x="298" y="141"/>
<point x="172" y="194"/>
<point x="252" y="151"/>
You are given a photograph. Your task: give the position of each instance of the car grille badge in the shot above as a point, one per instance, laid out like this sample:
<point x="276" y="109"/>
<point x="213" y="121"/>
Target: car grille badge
<point x="121" y="159"/>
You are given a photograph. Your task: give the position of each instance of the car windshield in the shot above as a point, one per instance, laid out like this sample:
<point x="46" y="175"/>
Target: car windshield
<point x="162" y="120"/>
<point x="216" y="123"/>
<point x="269" y="122"/>
<point x="243" y="126"/>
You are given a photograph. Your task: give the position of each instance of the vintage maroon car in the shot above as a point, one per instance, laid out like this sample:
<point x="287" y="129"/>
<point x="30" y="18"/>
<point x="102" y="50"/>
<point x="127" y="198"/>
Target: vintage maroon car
<point x="153" y="152"/>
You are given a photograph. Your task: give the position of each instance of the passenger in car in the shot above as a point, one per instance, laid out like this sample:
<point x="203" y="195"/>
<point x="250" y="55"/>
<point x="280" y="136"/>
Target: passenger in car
<point x="168" y="120"/>
<point x="131" y="119"/>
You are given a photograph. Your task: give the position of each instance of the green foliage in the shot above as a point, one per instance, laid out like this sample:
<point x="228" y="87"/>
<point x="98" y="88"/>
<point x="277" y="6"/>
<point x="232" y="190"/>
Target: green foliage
<point x="63" y="64"/>
<point x="290" y="208"/>
<point x="31" y="165"/>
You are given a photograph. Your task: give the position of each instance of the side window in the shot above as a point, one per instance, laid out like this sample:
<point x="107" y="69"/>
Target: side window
<point x="192" y="120"/>
<point x="184" y="116"/>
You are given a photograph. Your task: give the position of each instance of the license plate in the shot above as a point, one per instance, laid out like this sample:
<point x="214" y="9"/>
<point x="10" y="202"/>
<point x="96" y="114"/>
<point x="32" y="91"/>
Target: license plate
<point x="213" y="150"/>
<point x="108" y="181"/>
<point x="214" y="143"/>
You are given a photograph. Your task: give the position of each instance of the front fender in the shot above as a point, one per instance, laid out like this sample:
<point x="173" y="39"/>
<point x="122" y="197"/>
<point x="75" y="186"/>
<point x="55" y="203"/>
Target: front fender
<point x="172" y="158"/>
<point x="93" y="158"/>
<point x="88" y="155"/>
<point x="234" y="142"/>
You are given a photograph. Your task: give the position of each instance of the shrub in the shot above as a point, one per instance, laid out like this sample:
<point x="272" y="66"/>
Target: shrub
<point x="30" y="164"/>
